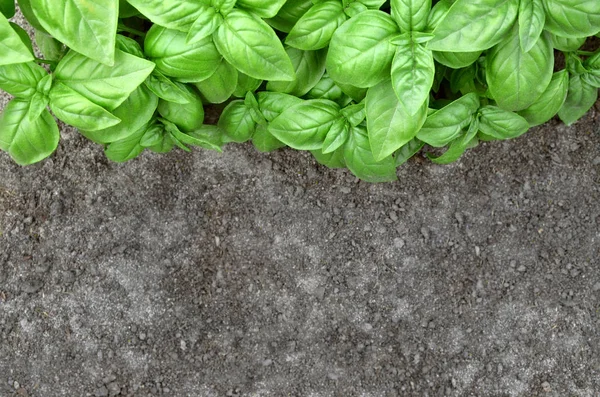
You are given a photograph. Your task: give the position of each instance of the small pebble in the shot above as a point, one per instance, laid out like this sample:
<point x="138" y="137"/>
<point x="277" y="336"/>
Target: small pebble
<point x="521" y="268"/>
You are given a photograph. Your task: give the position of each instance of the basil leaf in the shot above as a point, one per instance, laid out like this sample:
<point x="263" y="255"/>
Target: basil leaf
<point x="304" y="126"/>
<point x="330" y="160"/>
<point x="531" y="23"/>
<point x="355" y="114"/>
<point x="355" y="93"/>
<point x="456" y="60"/>
<point x="326" y="88"/>
<point x="129" y="45"/>
<point x="262" y="8"/>
<point x="411" y="15"/>
<point x="134" y="113"/>
<point x="245" y="83"/>
<point x="413" y="71"/>
<point x="572" y="18"/>
<point x="237" y="122"/>
<point x="474" y="26"/>
<point x="188" y="116"/>
<point x="208" y="21"/>
<point x="86" y="26"/>
<point x="458" y="146"/>
<point x="176" y="58"/>
<point x="360" y="52"/>
<point x="272" y="104"/>
<point x="389" y="124"/>
<point x="360" y="160"/>
<point x="208" y="136"/>
<point x="181" y="139"/>
<point x="517" y="79"/>
<point x="315" y="28"/>
<point x="51" y="49"/>
<point x="127" y="148"/>
<point x="12" y="48"/>
<point x="309" y="67"/>
<point x="75" y="109"/>
<point x="126" y="10"/>
<point x="250" y="45"/>
<point x="337" y="135"/>
<point x="27" y="141"/>
<point x="444" y="125"/>
<point x="172" y="14"/>
<point x="580" y="98"/>
<point x="501" y="124"/>
<point x="289" y="14"/>
<point x="407" y="151"/>
<point x="107" y="86"/>
<point x="550" y="102"/>
<point x="567" y="44"/>
<point x="7" y="8"/>
<point x="264" y="141"/>
<point x="221" y="85"/>
<point x="21" y="79"/>
<point x="165" y="88"/>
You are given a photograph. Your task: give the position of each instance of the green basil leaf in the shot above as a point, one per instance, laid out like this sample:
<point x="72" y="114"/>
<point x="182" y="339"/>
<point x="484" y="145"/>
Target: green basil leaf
<point x="173" y="14"/>
<point x="107" y="86"/>
<point x="309" y="67"/>
<point x="516" y="79"/>
<point x="411" y="15"/>
<point x="51" y="49"/>
<point x="501" y="124"/>
<point x="166" y="89"/>
<point x="129" y="45"/>
<point x="27" y="141"/>
<point x="315" y="28"/>
<point x="126" y="10"/>
<point x="389" y="124"/>
<point x="223" y="6"/>
<point x="355" y="114"/>
<point x="252" y="104"/>
<point x="166" y="143"/>
<point x="354" y="8"/>
<point x="304" y="126"/>
<point x="456" y="60"/>
<point x="21" y="79"/>
<point x="407" y="151"/>
<point x="237" y="122"/>
<point x="75" y="109"/>
<point x="188" y="116"/>
<point x="127" y="148"/>
<point x="37" y="105"/>
<point x="264" y="141"/>
<point x="189" y="139"/>
<point x="550" y="102"/>
<point x="474" y="26"/>
<point x="221" y="85"/>
<point x="360" y="52"/>
<point x="360" y="160"/>
<point x="176" y="58"/>
<point x="245" y="83"/>
<point x="134" y="113"/>
<point x="24" y="35"/>
<point x="580" y="98"/>
<point x="532" y="18"/>
<point x="209" y="137"/>
<point x="272" y="104"/>
<point x="592" y="66"/>
<point x="572" y="18"/>
<point x="208" y="21"/>
<point x="250" y="45"/>
<point x="337" y="136"/>
<point x="372" y="4"/>
<point x="86" y="26"/>
<point x="7" y="8"/>
<point x="458" y="146"/>
<point x="567" y="44"/>
<point x="12" y="48"/>
<point x="357" y="94"/>
<point x="437" y="14"/>
<point x="289" y="14"/>
<point x="330" y="160"/>
<point x="463" y="80"/>
<point x="262" y="8"/>
<point x="413" y="71"/>
<point x="153" y="135"/>
<point x="444" y="125"/>
<point x="326" y="88"/>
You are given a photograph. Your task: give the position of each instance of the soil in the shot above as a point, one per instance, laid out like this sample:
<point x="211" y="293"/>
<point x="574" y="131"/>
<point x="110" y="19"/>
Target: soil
<point x="245" y="274"/>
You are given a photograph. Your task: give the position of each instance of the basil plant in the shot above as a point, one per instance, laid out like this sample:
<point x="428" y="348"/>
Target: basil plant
<point x="361" y="84"/>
